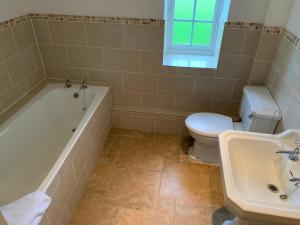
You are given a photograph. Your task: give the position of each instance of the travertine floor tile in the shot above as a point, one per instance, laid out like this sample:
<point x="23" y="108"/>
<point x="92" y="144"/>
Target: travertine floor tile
<point x="91" y="213"/>
<point x="146" y="179"/>
<point x="215" y="179"/>
<point x="186" y="182"/>
<point x="134" y="188"/>
<point x="188" y="214"/>
<point x="141" y="217"/>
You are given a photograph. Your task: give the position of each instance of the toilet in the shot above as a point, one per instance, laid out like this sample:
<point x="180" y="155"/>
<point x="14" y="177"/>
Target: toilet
<point x="258" y="112"/>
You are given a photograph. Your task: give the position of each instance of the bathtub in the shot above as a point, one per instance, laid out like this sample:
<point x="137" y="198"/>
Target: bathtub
<point x="51" y="145"/>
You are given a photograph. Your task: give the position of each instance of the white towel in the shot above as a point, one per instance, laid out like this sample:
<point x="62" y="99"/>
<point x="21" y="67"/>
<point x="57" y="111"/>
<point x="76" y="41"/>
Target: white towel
<point x="28" y="210"/>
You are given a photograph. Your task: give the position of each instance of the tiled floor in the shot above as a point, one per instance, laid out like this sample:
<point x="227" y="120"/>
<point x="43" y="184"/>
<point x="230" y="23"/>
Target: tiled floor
<point x="146" y="179"/>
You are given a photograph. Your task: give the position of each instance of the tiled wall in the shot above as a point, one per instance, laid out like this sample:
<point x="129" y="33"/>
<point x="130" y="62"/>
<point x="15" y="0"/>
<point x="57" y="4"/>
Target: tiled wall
<point x="20" y="62"/>
<point x="127" y="54"/>
<point x="284" y="80"/>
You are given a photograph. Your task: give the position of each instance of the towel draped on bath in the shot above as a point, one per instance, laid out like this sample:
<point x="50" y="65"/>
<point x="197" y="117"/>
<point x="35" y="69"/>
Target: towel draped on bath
<point x="28" y="210"/>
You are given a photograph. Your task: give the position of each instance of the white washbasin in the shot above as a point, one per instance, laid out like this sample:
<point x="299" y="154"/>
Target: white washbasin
<point x="249" y="164"/>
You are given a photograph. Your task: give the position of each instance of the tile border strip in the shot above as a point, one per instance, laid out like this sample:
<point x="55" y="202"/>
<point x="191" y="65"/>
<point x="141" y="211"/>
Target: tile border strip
<point x="292" y="38"/>
<point x="97" y="19"/>
<point x="14" y="21"/>
<point x="243" y="25"/>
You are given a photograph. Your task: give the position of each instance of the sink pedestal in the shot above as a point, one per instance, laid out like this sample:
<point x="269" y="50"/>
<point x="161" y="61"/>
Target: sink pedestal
<point x="238" y="221"/>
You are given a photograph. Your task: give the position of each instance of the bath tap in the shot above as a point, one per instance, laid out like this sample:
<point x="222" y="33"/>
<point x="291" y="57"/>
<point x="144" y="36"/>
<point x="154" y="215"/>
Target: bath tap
<point x="68" y="83"/>
<point x="293" y="154"/>
<point x="83" y="85"/>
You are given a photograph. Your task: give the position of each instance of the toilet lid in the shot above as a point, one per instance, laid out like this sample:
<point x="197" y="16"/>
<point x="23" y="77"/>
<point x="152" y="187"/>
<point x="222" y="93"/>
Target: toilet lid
<point x="208" y="124"/>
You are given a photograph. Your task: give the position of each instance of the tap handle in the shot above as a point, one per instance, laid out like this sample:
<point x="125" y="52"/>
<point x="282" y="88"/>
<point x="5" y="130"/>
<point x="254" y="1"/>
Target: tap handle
<point x="298" y="144"/>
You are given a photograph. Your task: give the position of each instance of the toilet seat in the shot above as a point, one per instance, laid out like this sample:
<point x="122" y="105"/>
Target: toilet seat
<point x="208" y="124"/>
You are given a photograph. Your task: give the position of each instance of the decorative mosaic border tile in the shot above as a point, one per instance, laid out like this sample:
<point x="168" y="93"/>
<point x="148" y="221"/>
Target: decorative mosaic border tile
<point x="244" y="25"/>
<point x="14" y="21"/>
<point x="97" y="19"/>
<point x="272" y="30"/>
<point x="292" y="38"/>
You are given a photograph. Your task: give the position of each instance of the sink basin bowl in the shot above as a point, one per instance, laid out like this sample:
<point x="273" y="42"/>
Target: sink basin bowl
<point x="256" y="180"/>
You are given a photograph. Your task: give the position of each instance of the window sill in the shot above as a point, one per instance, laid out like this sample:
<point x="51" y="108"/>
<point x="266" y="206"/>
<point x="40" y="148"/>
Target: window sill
<point x="194" y="61"/>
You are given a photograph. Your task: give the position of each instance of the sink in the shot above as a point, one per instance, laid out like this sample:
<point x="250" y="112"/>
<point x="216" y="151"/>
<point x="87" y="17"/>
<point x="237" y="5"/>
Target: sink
<point x="256" y="180"/>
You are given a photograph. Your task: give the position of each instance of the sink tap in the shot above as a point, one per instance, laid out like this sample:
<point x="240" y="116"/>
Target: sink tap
<point x="294" y="179"/>
<point x="68" y="83"/>
<point x="293" y="154"/>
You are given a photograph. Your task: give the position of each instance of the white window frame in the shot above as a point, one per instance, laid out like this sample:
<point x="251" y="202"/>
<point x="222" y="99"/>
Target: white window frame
<point x="191" y="49"/>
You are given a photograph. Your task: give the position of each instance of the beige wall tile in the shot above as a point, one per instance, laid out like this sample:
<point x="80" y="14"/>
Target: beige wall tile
<point x="77" y="74"/>
<point x="7" y="44"/>
<point x="105" y="35"/>
<point x="233" y="40"/>
<point x="230" y="108"/>
<point x="5" y="83"/>
<point x="196" y="72"/>
<point x="116" y="119"/>
<point x="85" y="57"/>
<point x="111" y="78"/>
<point x="54" y="55"/>
<point x="169" y="125"/>
<point x="14" y="93"/>
<point x="259" y="72"/>
<point x="251" y="42"/>
<point x="158" y="101"/>
<point x="136" y="121"/>
<point x="237" y="93"/>
<point x="37" y="56"/>
<point x="175" y="86"/>
<point x="213" y="88"/>
<point x="292" y="74"/>
<point x="144" y="37"/>
<point x="121" y="60"/>
<point x="36" y="77"/>
<point x="192" y="104"/>
<point x="23" y="35"/>
<point x="267" y="46"/>
<point x="284" y="55"/>
<point x="281" y="92"/>
<point x="238" y="67"/>
<point x="271" y="77"/>
<point x="140" y="83"/>
<point x="151" y="62"/>
<point x="21" y="66"/>
<point x="68" y="33"/>
<point x="42" y="31"/>
<point x="291" y="118"/>
<point x="59" y="72"/>
<point x="126" y="99"/>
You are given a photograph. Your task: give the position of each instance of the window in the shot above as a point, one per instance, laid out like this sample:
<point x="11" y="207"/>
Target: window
<point x="194" y="28"/>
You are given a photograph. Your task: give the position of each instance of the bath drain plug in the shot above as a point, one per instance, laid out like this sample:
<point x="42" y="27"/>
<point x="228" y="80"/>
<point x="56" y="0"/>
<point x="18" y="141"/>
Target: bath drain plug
<point x="273" y="188"/>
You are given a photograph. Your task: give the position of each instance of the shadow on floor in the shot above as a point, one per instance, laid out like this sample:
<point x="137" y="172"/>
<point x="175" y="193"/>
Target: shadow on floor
<point x="221" y="215"/>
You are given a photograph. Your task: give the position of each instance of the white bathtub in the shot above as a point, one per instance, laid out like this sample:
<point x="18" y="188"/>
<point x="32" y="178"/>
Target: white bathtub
<point x="39" y="149"/>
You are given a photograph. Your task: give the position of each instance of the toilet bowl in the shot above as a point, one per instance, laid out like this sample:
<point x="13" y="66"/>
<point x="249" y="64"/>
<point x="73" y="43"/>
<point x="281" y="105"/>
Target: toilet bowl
<point x="205" y="129"/>
<point x="258" y="113"/>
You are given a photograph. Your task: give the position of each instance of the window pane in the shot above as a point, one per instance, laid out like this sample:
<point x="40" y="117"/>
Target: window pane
<point x="184" y="9"/>
<point x="205" y="9"/>
<point x="202" y="34"/>
<point x="182" y="33"/>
